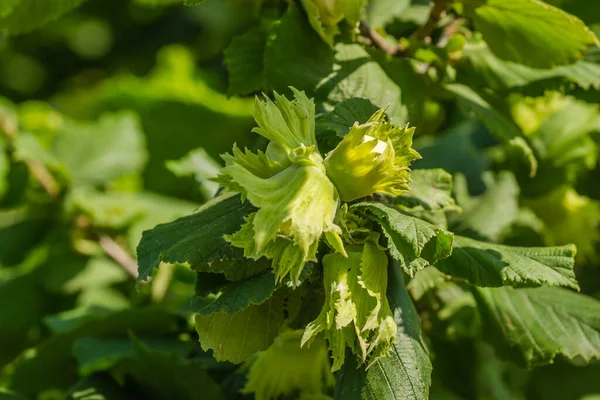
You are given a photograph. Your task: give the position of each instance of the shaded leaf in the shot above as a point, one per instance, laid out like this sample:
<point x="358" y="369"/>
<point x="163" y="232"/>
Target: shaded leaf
<point x="241" y="294"/>
<point x="166" y="375"/>
<point x="244" y="60"/>
<point x="95" y="354"/>
<point x="52" y="366"/>
<point x="346" y="113"/>
<point x="330" y="75"/>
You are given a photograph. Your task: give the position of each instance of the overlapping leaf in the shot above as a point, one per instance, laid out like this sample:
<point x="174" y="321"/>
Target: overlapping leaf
<point x="430" y="189"/>
<point x="241" y="294"/>
<point x="235" y="337"/>
<point x="331" y="75"/>
<point x="533" y="326"/>
<point x="532" y="32"/>
<point x="244" y="60"/>
<point x="196" y="239"/>
<point x="412" y="241"/>
<point x="487" y="264"/>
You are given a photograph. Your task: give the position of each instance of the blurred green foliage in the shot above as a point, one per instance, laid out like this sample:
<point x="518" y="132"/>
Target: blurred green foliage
<point x="113" y="115"/>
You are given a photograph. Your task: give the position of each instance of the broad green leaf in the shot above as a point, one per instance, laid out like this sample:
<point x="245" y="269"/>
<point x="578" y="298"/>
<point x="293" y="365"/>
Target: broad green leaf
<point x="360" y="76"/>
<point x="196" y="239"/>
<point x="424" y="111"/>
<point x="430" y="189"/>
<point x="412" y="241"/>
<point x="28" y="15"/>
<point x="491" y="71"/>
<point x="425" y="280"/>
<point x="492" y="265"/>
<point x="289" y="62"/>
<point x="488" y="215"/>
<point x="235" y="337"/>
<point x="331" y="75"/>
<point x="406" y="373"/>
<point x="193" y="2"/>
<point x="99" y="152"/>
<point x="242" y="294"/>
<point x="244" y="59"/>
<point x="169" y="375"/>
<point x="532" y="32"/>
<point x="346" y="113"/>
<point x="533" y="326"/>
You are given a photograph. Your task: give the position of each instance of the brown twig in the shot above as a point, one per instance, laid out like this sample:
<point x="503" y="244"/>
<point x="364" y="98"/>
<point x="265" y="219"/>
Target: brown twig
<point x="43" y="176"/>
<point x="118" y="254"/>
<point x="450" y="30"/>
<point x="377" y="40"/>
<point x="37" y="169"/>
<point x="435" y="15"/>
